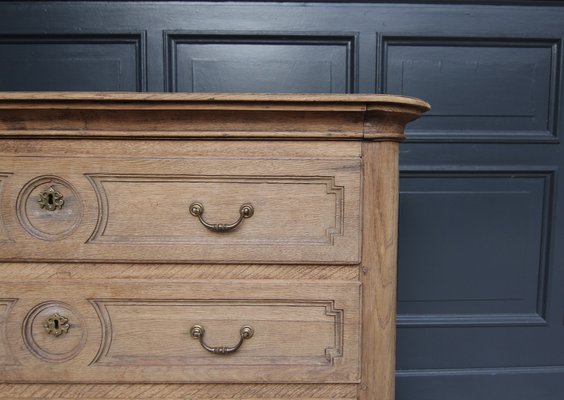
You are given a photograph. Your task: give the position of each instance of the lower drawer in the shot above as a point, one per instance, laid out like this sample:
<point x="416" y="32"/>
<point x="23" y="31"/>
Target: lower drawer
<point x="190" y="331"/>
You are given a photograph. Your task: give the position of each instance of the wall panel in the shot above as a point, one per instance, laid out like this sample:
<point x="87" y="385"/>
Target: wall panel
<point x="481" y="89"/>
<point x="96" y="62"/>
<point x="248" y="62"/>
<point x="493" y="271"/>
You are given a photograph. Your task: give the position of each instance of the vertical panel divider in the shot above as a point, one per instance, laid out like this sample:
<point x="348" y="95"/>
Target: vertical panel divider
<point x="378" y="269"/>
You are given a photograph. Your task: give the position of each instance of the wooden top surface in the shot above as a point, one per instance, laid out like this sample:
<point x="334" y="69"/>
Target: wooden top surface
<point x="207" y="115"/>
<point x="352" y="101"/>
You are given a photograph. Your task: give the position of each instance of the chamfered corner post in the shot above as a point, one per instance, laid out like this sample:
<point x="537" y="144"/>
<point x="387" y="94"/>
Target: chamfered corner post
<point x="384" y="127"/>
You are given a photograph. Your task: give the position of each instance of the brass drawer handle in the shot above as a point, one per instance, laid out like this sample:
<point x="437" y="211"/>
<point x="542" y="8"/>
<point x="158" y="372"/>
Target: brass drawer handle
<point x="197" y="332"/>
<point x="245" y="211"/>
<point x="56" y="325"/>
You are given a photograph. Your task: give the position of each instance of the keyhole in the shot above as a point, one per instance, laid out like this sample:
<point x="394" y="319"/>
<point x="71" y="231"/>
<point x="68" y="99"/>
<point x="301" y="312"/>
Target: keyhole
<point x="50" y="199"/>
<point x="56" y="323"/>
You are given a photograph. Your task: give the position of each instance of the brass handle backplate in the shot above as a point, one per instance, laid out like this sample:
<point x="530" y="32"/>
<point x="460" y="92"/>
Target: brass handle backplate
<point x="56" y="325"/>
<point x="50" y="199"/>
<point x="245" y="211"/>
<point x="197" y="332"/>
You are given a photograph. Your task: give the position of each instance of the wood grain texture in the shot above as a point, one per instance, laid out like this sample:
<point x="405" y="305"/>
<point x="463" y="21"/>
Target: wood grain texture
<point x="138" y="331"/>
<point x="6" y="354"/>
<point x="135" y="207"/>
<point x="181" y="123"/>
<point x="204" y="115"/>
<point x="4" y="237"/>
<point x="386" y="122"/>
<point x="379" y="253"/>
<point x="60" y="271"/>
<point x="144" y="99"/>
<point x="178" y="391"/>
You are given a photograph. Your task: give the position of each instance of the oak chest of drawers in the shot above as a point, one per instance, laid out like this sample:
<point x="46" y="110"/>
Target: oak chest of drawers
<point x="198" y="246"/>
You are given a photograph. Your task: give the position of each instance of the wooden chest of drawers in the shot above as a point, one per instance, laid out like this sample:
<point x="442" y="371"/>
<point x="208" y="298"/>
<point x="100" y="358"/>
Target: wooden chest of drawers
<point x="198" y="246"/>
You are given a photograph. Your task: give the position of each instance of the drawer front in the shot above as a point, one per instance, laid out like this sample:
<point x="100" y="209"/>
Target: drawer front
<point x="142" y="204"/>
<point x="121" y="331"/>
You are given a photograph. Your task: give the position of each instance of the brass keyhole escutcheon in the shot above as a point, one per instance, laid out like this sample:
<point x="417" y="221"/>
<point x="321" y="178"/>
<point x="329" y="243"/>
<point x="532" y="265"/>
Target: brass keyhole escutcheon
<point x="51" y="199"/>
<point x="56" y="325"/>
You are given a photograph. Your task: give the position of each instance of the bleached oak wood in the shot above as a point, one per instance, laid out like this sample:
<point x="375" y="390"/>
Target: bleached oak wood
<point x="176" y="391"/>
<point x="58" y="271"/>
<point x="378" y="269"/>
<point x="138" y="331"/>
<point x="206" y="115"/>
<point x="297" y="100"/>
<point x="132" y="203"/>
<point x="313" y="270"/>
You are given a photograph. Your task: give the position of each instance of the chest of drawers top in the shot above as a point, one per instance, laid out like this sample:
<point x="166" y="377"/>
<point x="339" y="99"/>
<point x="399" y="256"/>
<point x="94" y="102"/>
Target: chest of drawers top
<point x="206" y="115"/>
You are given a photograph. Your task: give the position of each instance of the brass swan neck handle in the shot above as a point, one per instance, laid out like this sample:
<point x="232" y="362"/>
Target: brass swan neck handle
<point x="197" y="332"/>
<point x="245" y="211"/>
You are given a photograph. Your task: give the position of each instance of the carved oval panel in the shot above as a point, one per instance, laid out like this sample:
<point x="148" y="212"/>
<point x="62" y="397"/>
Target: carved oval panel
<point x="49" y="208"/>
<point x="53" y="331"/>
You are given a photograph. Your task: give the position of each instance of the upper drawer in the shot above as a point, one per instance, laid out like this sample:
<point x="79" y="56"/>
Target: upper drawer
<point x="132" y="201"/>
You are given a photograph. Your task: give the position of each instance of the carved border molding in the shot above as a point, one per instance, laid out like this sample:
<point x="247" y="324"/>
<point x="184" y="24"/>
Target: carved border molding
<point x="98" y="181"/>
<point x="10" y="360"/>
<point x="4" y="236"/>
<point x="103" y="356"/>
